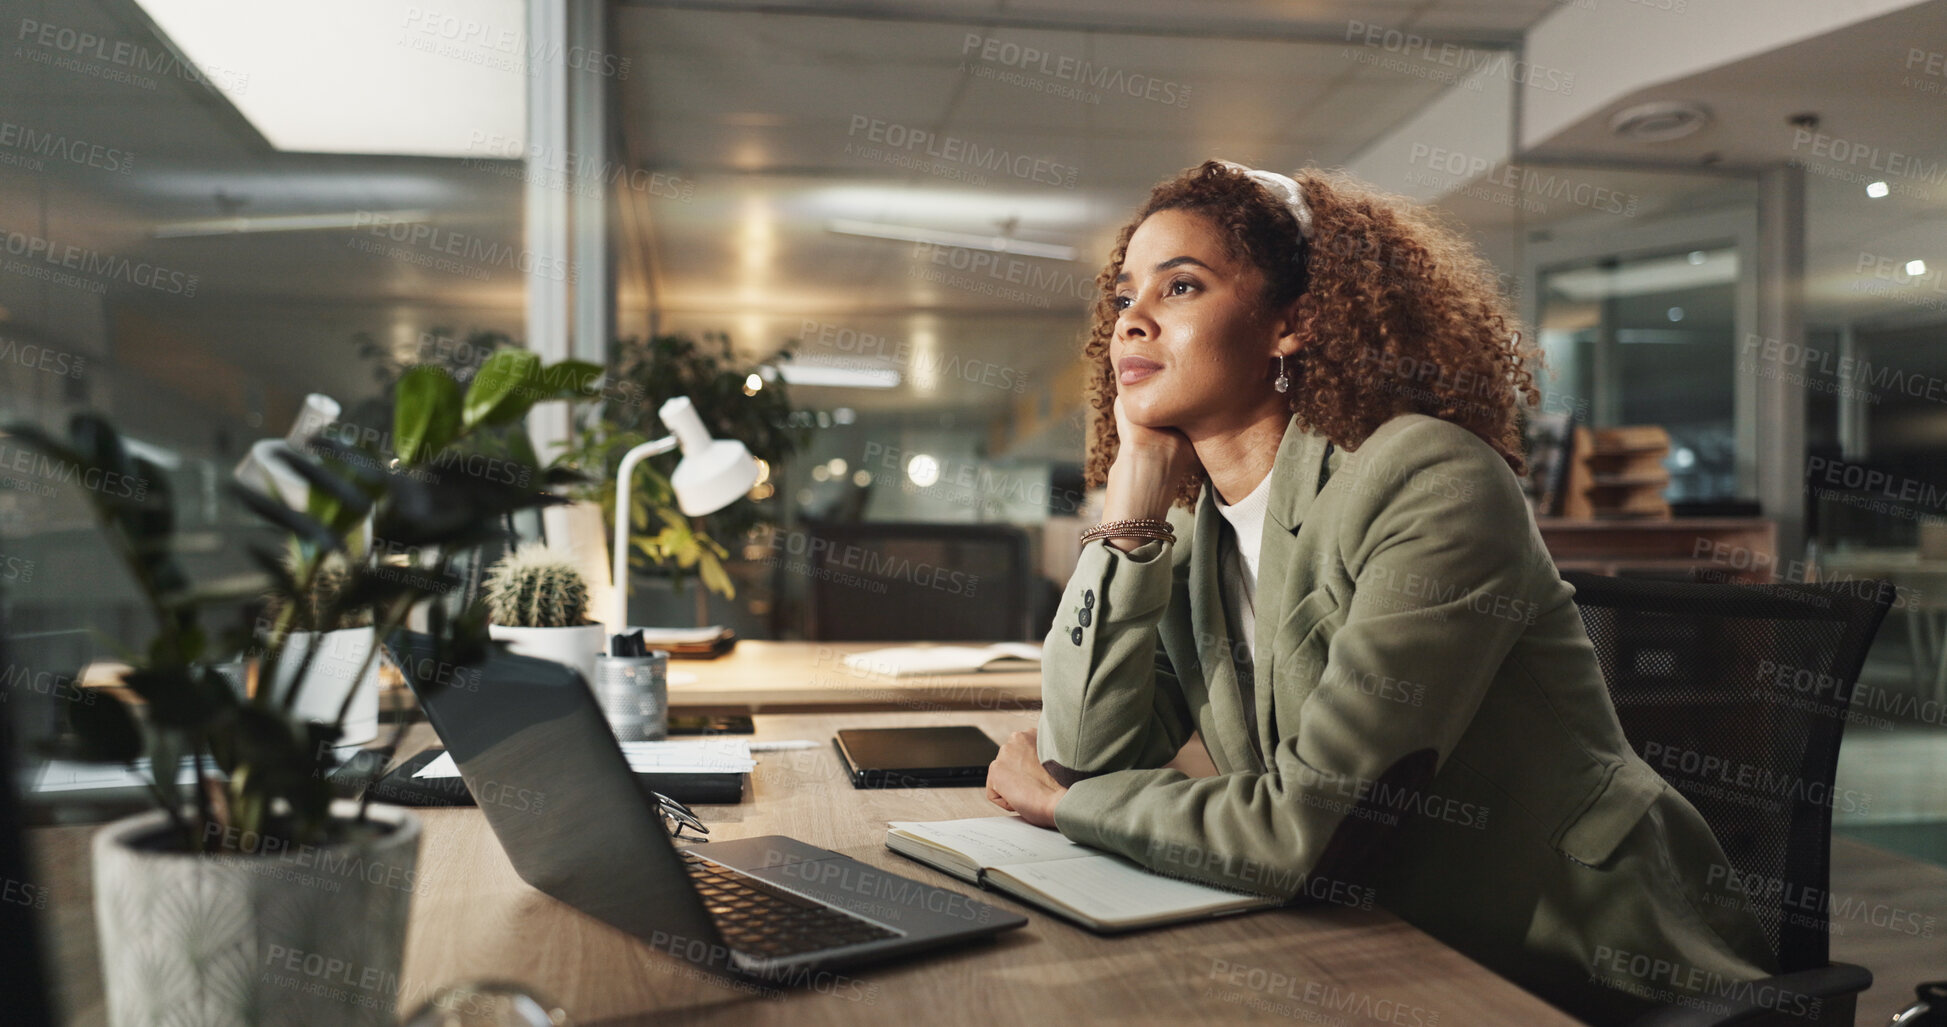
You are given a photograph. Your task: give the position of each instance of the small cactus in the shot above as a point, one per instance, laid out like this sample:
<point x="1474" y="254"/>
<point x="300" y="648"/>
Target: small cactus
<point x="536" y="587"/>
<point x="315" y="611"/>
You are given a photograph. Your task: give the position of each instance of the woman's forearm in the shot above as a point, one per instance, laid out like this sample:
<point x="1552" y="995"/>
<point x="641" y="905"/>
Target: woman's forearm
<point x="1137" y="487"/>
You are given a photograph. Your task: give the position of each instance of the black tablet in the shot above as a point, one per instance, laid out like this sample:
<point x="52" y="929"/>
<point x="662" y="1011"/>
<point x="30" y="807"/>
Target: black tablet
<point x="916" y="757"/>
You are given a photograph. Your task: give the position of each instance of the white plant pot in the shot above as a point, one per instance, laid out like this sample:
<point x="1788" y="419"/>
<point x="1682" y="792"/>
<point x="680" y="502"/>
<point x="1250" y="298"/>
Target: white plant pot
<point x="288" y="936"/>
<point x="577" y="646"/>
<point x="333" y="672"/>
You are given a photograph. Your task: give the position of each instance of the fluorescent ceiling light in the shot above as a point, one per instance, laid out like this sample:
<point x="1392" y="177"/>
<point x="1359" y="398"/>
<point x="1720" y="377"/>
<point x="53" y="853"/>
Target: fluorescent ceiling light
<point x="288" y="223"/>
<point x="965" y="240"/>
<point x="1640" y="277"/>
<point x="851" y="375"/>
<point x="365" y="76"/>
<point x="1657" y="336"/>
<point x="940" y="204"/>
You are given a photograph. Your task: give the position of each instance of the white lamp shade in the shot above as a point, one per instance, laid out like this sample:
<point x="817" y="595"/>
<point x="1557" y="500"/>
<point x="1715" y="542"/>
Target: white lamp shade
<point x="713" y="472"/>
<point x="713" y="479"/>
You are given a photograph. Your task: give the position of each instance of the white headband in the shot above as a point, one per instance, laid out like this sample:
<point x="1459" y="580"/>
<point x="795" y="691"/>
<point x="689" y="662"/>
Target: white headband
<point x="1283" y="189"/>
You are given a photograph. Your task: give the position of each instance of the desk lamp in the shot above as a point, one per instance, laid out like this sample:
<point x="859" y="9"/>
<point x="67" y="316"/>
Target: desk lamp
<point x="712" y="474"/>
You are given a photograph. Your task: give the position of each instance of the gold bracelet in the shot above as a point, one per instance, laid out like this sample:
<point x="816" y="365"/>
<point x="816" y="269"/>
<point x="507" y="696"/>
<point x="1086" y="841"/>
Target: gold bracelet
<point x="1150" y="528"/>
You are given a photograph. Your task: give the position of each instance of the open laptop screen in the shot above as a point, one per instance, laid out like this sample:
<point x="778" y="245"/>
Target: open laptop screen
<point x="545" y="768"/>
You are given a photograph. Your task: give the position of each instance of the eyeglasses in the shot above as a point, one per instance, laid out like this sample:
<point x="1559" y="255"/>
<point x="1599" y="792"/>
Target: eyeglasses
<point x="677" y="818"/>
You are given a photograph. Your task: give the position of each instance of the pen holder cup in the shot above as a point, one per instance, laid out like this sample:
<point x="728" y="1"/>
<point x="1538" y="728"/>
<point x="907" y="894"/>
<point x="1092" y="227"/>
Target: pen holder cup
<point x="634" y="693"/>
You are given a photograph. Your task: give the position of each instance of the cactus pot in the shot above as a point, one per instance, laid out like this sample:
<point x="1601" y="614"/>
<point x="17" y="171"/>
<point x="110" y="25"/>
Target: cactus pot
<point x="295" y="936"/>
<point x="333" y="672"/>
<point x="576" y="646"/>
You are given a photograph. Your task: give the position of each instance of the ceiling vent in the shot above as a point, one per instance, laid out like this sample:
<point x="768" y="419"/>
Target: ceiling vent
<point x="1660" y="121"/>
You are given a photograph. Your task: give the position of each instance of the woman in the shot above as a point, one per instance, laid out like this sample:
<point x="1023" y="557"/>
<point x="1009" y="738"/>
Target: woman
<point x="1357" y="618"/>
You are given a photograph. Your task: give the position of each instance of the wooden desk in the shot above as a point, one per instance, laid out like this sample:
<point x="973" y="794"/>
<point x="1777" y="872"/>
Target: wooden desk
<point x="472" y="918"/>
<point x="771" y="677"/>
<point x="1742" y="549"/>
<point x="1889" y="915"/>
<point x="799" y="677"/>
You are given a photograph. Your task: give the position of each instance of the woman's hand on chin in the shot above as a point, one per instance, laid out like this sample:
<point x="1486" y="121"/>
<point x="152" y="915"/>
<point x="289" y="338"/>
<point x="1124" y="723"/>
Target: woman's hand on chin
<point x="1017" y="781"/>
<point x="1166" y="449"/>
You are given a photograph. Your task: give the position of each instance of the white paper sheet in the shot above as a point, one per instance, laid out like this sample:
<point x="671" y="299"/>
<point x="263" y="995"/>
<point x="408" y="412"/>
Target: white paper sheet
<point x="687" y="756"/>
<point x="913" y="660"/>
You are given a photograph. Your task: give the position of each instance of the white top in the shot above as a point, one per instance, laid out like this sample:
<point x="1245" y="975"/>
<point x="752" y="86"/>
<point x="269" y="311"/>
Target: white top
<point x="1246" y="517"/>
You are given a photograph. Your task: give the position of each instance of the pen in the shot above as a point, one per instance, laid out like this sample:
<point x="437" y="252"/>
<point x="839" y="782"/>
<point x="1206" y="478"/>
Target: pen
<point x="775" y="746"/>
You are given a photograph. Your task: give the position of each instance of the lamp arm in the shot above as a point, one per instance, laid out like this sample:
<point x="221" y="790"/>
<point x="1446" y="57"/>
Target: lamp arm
<point x="624" y="490"/>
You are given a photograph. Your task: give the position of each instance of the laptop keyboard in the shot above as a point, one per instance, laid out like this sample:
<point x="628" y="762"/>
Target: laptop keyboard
<point x="759" y="920"/>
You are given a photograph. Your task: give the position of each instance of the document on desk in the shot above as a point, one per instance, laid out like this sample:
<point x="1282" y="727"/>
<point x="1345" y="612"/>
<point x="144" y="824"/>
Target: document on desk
<point x="686" y="756"/>
<point x="916" y="660"/>
<point x="1099" y="890"/>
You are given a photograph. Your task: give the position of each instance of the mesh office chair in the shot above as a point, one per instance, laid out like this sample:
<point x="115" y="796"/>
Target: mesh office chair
<point x="909" y="580"/>
<point x="1756" y="679"/>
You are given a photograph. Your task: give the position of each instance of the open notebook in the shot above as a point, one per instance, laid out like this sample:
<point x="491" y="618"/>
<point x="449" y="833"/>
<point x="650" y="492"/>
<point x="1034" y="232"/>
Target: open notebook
<point x="1098" y="890"/>
<point x="909" y="660"/>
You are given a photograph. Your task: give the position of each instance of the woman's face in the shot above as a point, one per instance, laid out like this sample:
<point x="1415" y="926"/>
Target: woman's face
<point x="1193" y="345"/>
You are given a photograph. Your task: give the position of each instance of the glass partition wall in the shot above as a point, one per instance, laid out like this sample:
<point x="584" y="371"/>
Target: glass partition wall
<point x="204" y="219"/>
<point x="1640" y="321"/>
<point x="916" y="203"/>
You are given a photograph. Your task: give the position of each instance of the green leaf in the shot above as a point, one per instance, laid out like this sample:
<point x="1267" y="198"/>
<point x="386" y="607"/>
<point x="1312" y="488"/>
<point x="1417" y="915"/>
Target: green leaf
<point x="502" y="390"/>
<point x="323" y="482"/>
<point x="98" y="443"/>
<point x="380" y="587"/>
<point x="362" y="466"/>
<point x="569" y="379"/>
<point x="106" y="729"/>
<point x="272" y="563"/>
<point x="454" y="508"/>
<point x="715" y="578"/>
<point x="268" y="743"/>
<point x="32" y="436"/>
<point x="427" y="416"/>
<point x="181" y="697"/>
<point x="308" y="529"/>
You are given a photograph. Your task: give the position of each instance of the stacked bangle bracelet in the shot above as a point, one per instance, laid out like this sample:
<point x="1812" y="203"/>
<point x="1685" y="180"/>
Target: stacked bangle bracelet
<point x="1152" y="528"/>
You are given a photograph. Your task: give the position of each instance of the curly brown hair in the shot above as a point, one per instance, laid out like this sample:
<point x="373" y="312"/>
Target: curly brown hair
<point x="1397" y="313"/>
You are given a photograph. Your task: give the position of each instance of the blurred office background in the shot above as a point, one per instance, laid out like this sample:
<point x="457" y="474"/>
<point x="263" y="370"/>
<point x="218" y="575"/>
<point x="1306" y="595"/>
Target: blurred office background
<point x="1721" y="217"/>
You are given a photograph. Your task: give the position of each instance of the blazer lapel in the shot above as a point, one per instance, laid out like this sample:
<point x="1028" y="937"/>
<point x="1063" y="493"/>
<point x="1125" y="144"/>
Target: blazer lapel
<point x="1212" y="634"/>
<point x="1294" y="481"/>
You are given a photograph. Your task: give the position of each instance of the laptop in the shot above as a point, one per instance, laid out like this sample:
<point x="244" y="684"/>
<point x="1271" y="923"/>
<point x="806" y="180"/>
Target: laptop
<point x="531" y="743"/>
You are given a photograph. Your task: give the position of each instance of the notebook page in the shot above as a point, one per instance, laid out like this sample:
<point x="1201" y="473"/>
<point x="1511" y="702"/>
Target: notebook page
<point x="1110" y="889"/>
<point x="994" y="841"/>
<point x="901" y="661"/>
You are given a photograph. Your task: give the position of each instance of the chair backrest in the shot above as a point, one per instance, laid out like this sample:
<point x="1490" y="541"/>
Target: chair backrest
<point x="1738" y="695"/>
<point x="910" y="580"/>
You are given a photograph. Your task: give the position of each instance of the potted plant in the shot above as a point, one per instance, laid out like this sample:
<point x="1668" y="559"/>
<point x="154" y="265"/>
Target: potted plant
<point x="339" y="640"/>
<point x="251" y="896"/>
<point x="537" y="602"/>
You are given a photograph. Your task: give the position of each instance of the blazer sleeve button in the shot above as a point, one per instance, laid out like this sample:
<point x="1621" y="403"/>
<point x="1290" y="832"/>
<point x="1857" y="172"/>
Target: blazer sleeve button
<point x="1088" y="597"/>
<point x="1075" y="636"/>
<point x="1083" y="615"/>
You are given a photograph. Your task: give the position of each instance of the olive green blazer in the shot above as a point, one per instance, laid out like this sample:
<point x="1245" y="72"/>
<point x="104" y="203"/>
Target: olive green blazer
<point x="1433" y="731"/>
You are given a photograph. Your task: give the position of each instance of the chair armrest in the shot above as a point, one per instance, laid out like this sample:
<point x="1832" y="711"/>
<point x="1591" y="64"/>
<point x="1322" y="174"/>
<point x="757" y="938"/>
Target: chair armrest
<point x="1780" y="999"/>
